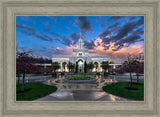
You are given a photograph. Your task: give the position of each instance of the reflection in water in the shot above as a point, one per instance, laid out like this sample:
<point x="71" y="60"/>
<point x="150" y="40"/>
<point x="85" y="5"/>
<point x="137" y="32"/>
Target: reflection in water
<point x="110" y="80"/>
<point x="101" y="81"/>
<point x="86" y="95"/>
<point x="99" y="95"/>
<point x="116" y="98"/>
<point x="61" y="94"/>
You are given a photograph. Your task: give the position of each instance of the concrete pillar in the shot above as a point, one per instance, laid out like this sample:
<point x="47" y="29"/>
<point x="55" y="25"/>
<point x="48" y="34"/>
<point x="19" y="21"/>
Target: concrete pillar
<point x="61" y="66"/>
<point x="99" y="67"/>
<point x="114" y="66"/>
<point x="45" y="69"/>
<point x="66" y="67"/>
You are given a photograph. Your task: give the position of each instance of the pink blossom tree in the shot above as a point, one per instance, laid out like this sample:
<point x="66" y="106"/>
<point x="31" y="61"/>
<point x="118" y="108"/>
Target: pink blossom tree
<point x="24" y="64"/>
<point x="128" y="66"/>
<point x="138" y="66"/>
<point x="119" y="70"/>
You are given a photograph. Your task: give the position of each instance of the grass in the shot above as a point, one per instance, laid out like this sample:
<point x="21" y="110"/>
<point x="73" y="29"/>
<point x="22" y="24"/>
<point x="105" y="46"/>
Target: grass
<point x="119" y="89"/>
<point x="35" y="91"/>
<point x="80" y="78"/>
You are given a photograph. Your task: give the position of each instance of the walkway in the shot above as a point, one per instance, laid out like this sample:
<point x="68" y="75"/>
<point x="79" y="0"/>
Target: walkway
<point x="81" y="92"/>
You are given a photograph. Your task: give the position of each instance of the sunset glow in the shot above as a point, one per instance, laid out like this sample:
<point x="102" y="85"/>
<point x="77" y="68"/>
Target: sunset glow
<point x="114" y="36"/>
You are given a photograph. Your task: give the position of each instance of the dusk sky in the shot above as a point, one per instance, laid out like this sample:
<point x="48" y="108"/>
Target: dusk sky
<point x="114" y="36"/>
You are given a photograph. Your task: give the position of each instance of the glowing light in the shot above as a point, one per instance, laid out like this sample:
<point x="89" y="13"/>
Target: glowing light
<point x="80" y="63"/>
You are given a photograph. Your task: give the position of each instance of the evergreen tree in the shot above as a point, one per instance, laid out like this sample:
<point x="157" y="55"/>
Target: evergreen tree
<point x="105" y="66"/>
<point x="70" y="66"/>
<point x="90" y="65"/>
<point x="85" y="67"/>
<point x="76" y="67"/>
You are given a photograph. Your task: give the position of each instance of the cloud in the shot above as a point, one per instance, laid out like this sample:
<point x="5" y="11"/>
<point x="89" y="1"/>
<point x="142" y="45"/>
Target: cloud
<point x="53" y="17"/>
<point x="130" y="40"/>
<point x="114" y="18"/>
<point x="45" y="23"/>
<point x="104" y="34"/>
<point x="43" y="47"/>
<point x="84" y="24"/>
<point x="125" y="30"/>
<point x="74" y="36"/>
<point x="103" y="25"/>
<point x="70" y="21"/>
<point x="64" y="51"/>
<point x="119" y="55"/>
<point x="141" y="21"/>
<point x="125" y="35"/>
<point x="99" y="18"/>
<point x="89" y="44"/>
<point x="44" y="37"/>
<point x="53" y="33"/>
<point x="132" y="17"/>
<point x="100" y="48"/>
<point x="26" y="33"/>
<point x="139" y="31"/>
<point x="27" y="18"/>
<point x="114" y="28"/>
<point x="64" y="40"/>
<point x="114" y="25"/>
<point x="68" y="28"/>
<point x="28" y="28"/>
<point x="30" y="31"/>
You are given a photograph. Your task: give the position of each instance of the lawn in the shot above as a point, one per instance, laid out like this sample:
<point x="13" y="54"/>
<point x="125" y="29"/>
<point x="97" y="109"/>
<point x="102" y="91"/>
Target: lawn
<point x="119" y="89"/>
<point x="34" y="91"/>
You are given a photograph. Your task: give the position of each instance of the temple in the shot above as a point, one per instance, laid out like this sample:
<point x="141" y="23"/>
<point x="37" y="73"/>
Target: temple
<point x="79" y="57"/>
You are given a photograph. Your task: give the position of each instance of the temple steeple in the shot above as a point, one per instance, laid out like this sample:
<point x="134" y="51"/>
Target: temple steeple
<point x="80" y="42"/>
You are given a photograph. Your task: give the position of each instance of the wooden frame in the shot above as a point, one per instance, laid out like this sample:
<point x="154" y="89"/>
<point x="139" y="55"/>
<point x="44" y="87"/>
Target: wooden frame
<point x="8" y="12"/>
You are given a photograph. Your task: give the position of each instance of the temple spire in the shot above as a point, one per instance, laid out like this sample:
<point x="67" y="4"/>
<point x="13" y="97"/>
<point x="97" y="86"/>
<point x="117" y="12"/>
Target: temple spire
<point x="80" y="33"/>
<point x="80" y="41"/>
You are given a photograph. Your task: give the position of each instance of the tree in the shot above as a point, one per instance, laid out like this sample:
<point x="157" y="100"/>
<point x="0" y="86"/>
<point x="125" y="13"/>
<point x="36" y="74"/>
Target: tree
<point x="105" y="66"/>
<point x="120" y="70"/>
<point x="47" y="70"/>
<point x="76" y="67"/>
<point x="85" y="67"/>
<point x="90" y="65"/>
<point x="139" y="66"/>
<point x="24" y="64"/>
<point x="55" y="66"/>
<point x="111" y="62"/>
<point x="70" y="66"/>
<point x="18" y="72"/>
<point x="128" y="66"/>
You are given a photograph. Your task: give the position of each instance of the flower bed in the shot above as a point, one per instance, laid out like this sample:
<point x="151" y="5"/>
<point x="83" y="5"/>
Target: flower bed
<point x="80" y="79"/>
<point x="89" y="73"/>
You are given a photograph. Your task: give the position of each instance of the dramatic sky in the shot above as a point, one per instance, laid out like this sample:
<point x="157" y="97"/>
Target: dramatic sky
<point x="114" y="36"/>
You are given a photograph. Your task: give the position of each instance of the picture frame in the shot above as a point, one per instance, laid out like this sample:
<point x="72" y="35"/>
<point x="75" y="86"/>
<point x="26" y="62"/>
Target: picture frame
<point x="10" y="9"/>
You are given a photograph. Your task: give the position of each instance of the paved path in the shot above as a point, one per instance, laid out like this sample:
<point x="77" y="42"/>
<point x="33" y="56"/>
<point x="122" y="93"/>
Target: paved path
<point x="81" y="92"/>
<point x="81" y="96"/>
